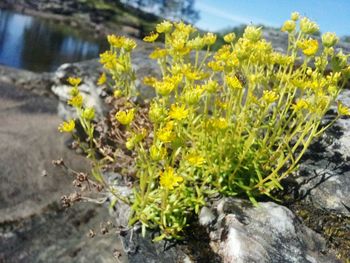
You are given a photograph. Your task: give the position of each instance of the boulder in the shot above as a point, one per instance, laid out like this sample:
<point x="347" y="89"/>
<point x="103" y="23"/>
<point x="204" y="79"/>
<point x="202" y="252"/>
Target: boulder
<point x="266" y="233"/>
<point x="234" y="231"/>
<point x="324" y="175"/>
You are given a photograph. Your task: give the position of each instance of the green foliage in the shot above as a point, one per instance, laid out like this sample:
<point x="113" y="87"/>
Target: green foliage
<point x="232" y="122"/>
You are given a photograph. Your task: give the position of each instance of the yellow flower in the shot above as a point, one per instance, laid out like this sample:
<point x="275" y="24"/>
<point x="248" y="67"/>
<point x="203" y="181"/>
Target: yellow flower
<point x="74" y="91"/>
<point x="196" y="43"/>
<point x="220" y="123"/>
<point x="216" y="65"/>
<point x="164" y="27"/>
<point x="168" y="84"/>
<point x="211" y="86"/>
<point x="116" y="41"/>
<point x="329" y="39"/>
<point x="233" y="82"/>
<point x="209" y="39"/>
<point x="67" y="126"/>
<point x="102" y="79"/>
<point x="184" y="29"/>
<point x="343" y="110"/>
<point x="74" y="81"/>
<point x="149" y="81"/>
<point x="108" y="59"/>
<point x="309" y="47"/>
<point x="252" y="33"/>
<point x="130" y="143"/>
<point x="156" y="112"/>
<point x="166" y="133"/>
<point x="117" y="93"/>
<point x="129" y="44"/>
<point x="178" y="112"/>
<point x="288" y="26"/>
<point x="151" y="37"/>
<point x="192" y="96"/>
<point x="300" y="105"/>
<point x="135" y="138"/>
<point x="168" y="179"/>
<point x="125" y="117"/>
<point x="221" y="104"/>
<point x="295" y="16"/>
<point x="195" y="160"/>
<point x="269" y="96"/>
<point x="158" y="53"/>
<point x="230" y="37"/>
<point x="308" y="27"/>
<point x="157" y="153"/>
<point x="76" y="101"/>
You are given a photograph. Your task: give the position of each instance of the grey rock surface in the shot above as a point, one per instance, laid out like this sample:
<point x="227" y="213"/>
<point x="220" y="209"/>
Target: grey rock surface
<point x="267" y="233"/>
<point x="88" y="72"/>
<point x="239" y="233"/>
<point x="33" y="226"/>
<point x="324" y="175"/>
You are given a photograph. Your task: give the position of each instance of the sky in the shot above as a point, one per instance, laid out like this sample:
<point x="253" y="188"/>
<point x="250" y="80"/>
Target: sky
<point x="331" y="15"/>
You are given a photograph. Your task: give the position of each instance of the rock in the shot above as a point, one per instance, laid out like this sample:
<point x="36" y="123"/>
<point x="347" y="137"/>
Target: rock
<point x="240" y="233"/>
<point x="89" y="73"/>
<point x="267" y="233"/>
<point x="142" y="250"/>
<point x="33" y="226"/>
<point x="324" y="175"/>
<point x="39" y="84"/>
<point x="60" y="235"/>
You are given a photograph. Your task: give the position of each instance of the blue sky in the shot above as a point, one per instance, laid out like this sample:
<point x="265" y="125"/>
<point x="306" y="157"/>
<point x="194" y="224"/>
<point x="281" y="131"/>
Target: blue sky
<point x="331" y="15"/>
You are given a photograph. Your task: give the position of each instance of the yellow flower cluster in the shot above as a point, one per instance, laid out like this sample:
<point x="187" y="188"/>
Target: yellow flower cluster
<point x="226" y="122"/>
<point x="121" y="42"/>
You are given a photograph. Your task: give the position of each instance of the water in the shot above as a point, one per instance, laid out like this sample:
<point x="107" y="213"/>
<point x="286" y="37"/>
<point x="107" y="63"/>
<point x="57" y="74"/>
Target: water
<point x="41" y="45"/>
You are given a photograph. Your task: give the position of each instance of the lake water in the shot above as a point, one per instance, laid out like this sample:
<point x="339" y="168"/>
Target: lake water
<point x="42" y="45"/>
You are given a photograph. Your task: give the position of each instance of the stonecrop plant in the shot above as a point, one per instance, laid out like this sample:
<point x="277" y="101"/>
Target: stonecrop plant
<point x="232" y="122"/>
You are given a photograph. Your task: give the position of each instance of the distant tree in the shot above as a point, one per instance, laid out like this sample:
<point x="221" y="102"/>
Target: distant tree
<point x="346" y="39"/>
<point x="171" y="9"/>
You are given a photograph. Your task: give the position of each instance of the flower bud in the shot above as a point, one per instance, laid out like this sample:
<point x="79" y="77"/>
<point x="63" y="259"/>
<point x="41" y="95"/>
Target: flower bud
<point x="229" y="38"/>
<point x="211" y="86"/>
<point x="288" y="26"/>
<point x="88" y="113"/>
<point x="252" y="33"/>
<point x="164" y="27"/>
<point x="295" y="16"/>
<point x="156" y="113"/>
<point x="125" y="117"/>
<point x="308" y="27"/>
<point x="117" y="93"/>
<point x="209" y="39"/>
<point x="157" y="153"/>
<point x="329" y="39"/>
<point x="130" y="144"/>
